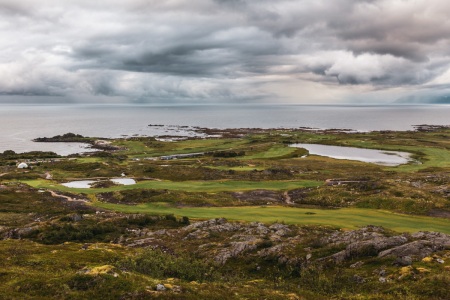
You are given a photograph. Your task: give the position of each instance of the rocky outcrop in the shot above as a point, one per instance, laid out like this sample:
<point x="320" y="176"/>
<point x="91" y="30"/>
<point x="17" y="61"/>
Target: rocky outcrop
<point x="426" y="244"/>
<point x="214" y="225"/>
<point x="237" y="248"/>
<point x="221" y="241"/>
<point x="370" y="241"/>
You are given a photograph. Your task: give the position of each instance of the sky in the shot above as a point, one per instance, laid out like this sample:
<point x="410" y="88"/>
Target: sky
<point x="225" y="51"/>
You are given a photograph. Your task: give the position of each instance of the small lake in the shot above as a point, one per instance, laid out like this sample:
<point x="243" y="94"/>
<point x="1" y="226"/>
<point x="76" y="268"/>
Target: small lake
<point x="379" y="157"/>
<point x="86" y="184"/>
<point x="123" y="181"/>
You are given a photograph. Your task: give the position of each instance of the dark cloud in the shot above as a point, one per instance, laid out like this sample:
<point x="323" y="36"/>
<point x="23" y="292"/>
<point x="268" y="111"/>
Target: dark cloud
<point x="214" y="50"/>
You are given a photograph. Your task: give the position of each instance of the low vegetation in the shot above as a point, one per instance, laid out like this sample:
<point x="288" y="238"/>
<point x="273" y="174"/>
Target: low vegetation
<point x="298" y="226"/>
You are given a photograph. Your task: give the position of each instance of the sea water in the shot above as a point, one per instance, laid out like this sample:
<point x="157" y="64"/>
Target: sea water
<point x="20" y="124"/>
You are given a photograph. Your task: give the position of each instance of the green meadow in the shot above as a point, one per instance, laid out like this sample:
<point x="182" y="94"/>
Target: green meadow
<point x="346" y="218"/>
<point x="188" y="186"/>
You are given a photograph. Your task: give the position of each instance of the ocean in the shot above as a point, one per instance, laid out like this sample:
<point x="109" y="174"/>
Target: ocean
<point x="19" y="124"/>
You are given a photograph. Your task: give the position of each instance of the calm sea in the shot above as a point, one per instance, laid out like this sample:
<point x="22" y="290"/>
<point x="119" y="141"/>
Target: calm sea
<point x="19" y="124"/>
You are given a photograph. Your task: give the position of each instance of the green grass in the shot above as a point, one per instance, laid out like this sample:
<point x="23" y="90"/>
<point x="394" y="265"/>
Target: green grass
<point x="188" y="186"/>
<point x="433" y="157"/>
<point x="139" y="149"/>
<point x="240" y="168"/>
<point x="348" y="218"/>
<point x="273" y="152"/>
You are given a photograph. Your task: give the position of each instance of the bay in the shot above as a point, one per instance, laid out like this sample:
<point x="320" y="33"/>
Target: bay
<point x="20" y="124"/>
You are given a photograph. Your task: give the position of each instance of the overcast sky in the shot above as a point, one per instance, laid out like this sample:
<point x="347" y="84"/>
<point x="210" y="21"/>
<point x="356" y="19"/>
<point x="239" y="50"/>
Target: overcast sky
<point x="225" y="51"/>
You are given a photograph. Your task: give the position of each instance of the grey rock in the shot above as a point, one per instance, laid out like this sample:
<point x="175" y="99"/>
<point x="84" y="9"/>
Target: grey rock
<point x="280" y="229"/>
<point x="368" y="247"/>
<point x="196" y="235"/>
<point x="214" y="225"/>
<point x="160" y="287"/>
<point x="347" y="237"/>
<point x="418" y="249"/>
<point x="76" y="217"/>
<point x="403" y="261"/>
<point x="357" y="264"/>
<point x="257" y="229"/>
<point x="141" y="243"/>
<point x="358" y="279"/>
<point x="236" y="249"/>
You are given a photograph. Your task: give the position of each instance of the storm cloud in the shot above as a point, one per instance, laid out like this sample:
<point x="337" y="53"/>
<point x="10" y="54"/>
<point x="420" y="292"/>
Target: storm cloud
<point x="300" y="51"/>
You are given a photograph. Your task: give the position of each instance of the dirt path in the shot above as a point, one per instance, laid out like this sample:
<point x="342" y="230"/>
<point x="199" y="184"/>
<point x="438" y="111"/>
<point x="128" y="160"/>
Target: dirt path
<point x="287" y="198"/>
<point x="54" y="194"/>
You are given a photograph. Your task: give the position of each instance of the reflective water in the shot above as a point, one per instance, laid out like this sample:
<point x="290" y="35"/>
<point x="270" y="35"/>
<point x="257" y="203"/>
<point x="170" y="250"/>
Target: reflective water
<point x="79" y="184"/>
<point x="19" y="124"/>
<point x="86" y="184"/>
<point x="123" y="181"/>
<point x="379" y="157"/>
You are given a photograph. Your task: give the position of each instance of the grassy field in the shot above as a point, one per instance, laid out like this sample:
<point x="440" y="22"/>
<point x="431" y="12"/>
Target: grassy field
<point x="432" y="156"/>
<point x="140" y="149"/>
<point x="188" y="186"/>
<point x="273" y="152"/>
<point x="346" y="218"/>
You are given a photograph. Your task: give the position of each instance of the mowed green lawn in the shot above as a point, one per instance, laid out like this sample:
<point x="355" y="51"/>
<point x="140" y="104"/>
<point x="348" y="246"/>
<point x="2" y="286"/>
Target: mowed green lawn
<point x="434" y="157"/>
<point x="273" y="152"/>
<point x="187" y="186"/>
<point x="346" y="218"/>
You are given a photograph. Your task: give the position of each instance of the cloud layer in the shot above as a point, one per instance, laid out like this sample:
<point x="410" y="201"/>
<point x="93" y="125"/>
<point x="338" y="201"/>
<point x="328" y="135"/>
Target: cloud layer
<point x="301" y="51"/>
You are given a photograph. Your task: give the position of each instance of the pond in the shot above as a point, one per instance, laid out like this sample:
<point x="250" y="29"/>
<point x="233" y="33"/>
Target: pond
<point x="123" y="181"/>
<point x="86" y="184"/>
<point x="379" y="157"/>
